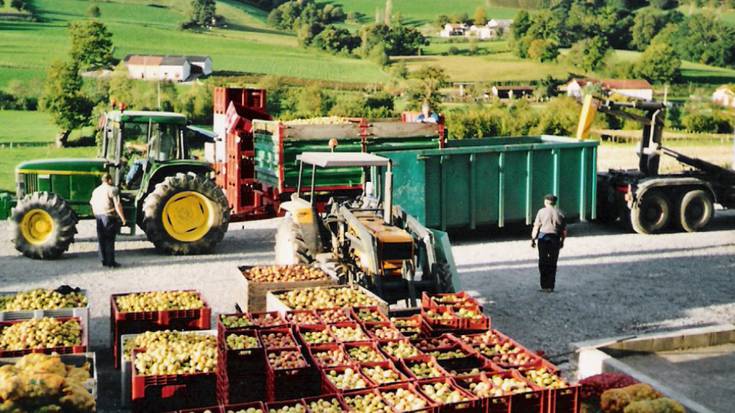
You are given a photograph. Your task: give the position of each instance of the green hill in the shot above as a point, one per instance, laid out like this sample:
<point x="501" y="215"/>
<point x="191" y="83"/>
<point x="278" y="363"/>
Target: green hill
<point x="145" y="26"/>
<point x="421" y="12"/>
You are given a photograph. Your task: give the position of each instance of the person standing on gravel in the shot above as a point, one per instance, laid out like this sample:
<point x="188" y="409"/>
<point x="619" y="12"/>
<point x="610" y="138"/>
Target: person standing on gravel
<point x="107" y="209"/>
<point x="549" y="230"/>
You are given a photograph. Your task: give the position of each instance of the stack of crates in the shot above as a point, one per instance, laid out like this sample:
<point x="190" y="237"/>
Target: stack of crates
<point x="240" y="373"/>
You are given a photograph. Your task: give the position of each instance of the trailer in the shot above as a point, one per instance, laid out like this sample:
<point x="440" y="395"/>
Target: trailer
<point x="255" y="157"/>
<point x="494" y="182"/>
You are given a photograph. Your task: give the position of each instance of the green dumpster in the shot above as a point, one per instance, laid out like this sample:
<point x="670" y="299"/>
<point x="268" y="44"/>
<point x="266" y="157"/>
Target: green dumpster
<point x="495" y="181"/>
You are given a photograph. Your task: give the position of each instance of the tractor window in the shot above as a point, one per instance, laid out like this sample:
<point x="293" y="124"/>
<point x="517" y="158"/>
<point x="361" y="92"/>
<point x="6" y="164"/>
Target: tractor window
<point x="163" y="142"/>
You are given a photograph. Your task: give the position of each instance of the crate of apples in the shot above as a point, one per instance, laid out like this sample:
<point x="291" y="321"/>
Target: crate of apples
<point x="399" y="349"/>
<point x="344" y="378"/>
<point x="277" y="338"/>
<point x="382" y="373"/>
<point x="315" y="335"/>
<point x="325" y="404"/>
<point x="363" y="352"/>
<point x="345" y="332"/>
<point x="448" y="396"/>
<point x="405" y="398"/>
<point x="328" y="355"/>
<point x="367" y="401"/>
<point x="257" y="281"/>
<point x="423" y="367"/>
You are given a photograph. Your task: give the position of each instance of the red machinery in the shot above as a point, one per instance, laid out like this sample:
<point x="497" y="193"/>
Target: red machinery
<point x="234" y="154"/>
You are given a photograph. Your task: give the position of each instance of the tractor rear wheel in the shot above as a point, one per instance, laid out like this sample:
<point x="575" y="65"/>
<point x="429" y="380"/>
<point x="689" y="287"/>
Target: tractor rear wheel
<point x="44" y="225"/>
<point x="185" y="214"/>
<point x="290" y="245"/>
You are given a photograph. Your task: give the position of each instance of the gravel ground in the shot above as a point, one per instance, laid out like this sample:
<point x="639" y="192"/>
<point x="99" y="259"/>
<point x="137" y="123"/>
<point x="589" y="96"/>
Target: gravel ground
<point x="610" y="282"/>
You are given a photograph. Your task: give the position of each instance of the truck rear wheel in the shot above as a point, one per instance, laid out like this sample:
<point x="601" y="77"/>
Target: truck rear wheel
<point x="44" y="225"/>
<point x="185" y="214"/>
<point x="695" y="210"/>
<point x="652" y="213"/>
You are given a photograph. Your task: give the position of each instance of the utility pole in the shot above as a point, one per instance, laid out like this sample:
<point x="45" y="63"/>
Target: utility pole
<point x="158" y="86"/>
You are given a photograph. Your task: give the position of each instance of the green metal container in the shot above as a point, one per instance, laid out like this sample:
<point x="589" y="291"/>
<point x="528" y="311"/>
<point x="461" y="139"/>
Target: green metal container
<point x="495" y="181"/>
<point x="278" y="144"/>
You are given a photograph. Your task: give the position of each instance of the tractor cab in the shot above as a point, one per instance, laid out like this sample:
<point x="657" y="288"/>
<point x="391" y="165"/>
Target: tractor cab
<point x="369" y="241"/>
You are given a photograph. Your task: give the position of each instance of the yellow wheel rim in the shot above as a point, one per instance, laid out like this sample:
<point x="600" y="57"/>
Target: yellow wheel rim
<point x="37" y="226"/>
<point x="187" y="216"/>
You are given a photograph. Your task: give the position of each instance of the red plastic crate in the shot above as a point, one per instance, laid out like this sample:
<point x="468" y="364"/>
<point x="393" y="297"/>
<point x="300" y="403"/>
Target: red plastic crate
<point x="238" y="362"/>
<point x="539" y="364"/>
<point x="382" y="345"/>
<point x="481" y="323"/>
<point x="291" y="383"/>
<point x="82" y="348"/>
<point x="385" y="365"/>
<point x="302" y="317"/>
<point x="564" y="400"/>
<point x="374" y="315"/>
<point x="430" y="406"/>
<point x="349" y="324"/>
<point x="271" y="407"/>
<point x="327" y="397"/>
<point x="212" y="409"/>
<point x="329" y="387"/>
<point x="139" y="322"/>
<point x="371" y="344"/>
<point x="406" y="364"/>
<point x="303" y="330"/>
<point x="435" y="300"/>
<point x="221" y="329"/>
<point x="334" y="315"/>
<point x="280" y="331"/>
<point x="234" y="389"/>
<point x="444" y="341"/>
<point x="347" y="395"/>
<point x="441" y="325"/>
<point x="472" y="405"/>
<point x="269" y="319"/>
<point x="385" y="326"/>
<point x="182" y="391"/>
<point x="315" y="350"/>
<point x="414" y="330"/>
<point x="531" y="402"/>
<point x="244" y="406"/>
<point x="471" y="360"/>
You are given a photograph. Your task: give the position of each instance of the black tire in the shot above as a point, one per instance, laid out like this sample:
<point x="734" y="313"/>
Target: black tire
<point x="290" y="245"/>
<point x="695" y="210"/>
<point x="168" y="241"/>
<point x="61" y="235"/>
<point x="652" y="214"/>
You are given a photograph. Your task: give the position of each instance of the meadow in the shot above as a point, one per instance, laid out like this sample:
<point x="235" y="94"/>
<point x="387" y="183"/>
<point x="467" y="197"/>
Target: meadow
<point x="246" y="45"/>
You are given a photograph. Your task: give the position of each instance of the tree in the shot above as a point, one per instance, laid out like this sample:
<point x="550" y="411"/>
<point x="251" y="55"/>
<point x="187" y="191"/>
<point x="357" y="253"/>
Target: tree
<point x="19" y="5"/>
<point x="589" y="54"/>
<point x="336" y="40"/>
<point x="203" y="13"/>
<point x="63" y="98"/>
<point x="426" y="84"/>
<point x="388" y="17"/>
<point x="664" y="4"/>
<point x="543" y="50"/>
<point x="521" y="24"/>
<point x="480" y="16"/>
<point x="91" y="44"/>
<point x="93" y="11"/>
<point x="702" y="38"/>
<point x="659" y="63"/>
<point x="646" y="24"/>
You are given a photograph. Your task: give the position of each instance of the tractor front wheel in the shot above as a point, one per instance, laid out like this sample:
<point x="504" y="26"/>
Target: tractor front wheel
<point x="44" y="225"/>
<point x="185" y="214"/>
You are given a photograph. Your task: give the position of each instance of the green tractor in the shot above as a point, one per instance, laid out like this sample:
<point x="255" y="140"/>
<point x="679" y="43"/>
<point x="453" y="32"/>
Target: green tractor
<point x="172" y="198"/>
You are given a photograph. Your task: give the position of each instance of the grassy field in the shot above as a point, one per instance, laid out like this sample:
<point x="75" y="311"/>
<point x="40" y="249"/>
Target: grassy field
<point x="421" y="12"/>
<point x="10" y="158"/>
<point x="145" y="26"/>
<point x="22" y="126"/>
<point x="726" y="15"/>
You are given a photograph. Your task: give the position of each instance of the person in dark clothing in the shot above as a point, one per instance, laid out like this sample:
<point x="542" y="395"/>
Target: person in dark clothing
<point x="108" y="212"/>
<point x="549" y="231"/>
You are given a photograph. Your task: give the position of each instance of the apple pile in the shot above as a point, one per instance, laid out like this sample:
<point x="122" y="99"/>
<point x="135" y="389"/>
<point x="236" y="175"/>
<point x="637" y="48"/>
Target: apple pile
<point x="368" y="403"/>
<point x="325" y="406"/>
<point x="236" y="321"/>
<point x="400" y="349"/>
<point x="286" y="359"/>
<point x="241" y="342"/>
<point x="364" y="354"/>
<point x="284" y="273"/>
<point x="404" y="400"/>
<point x="443" y="393"/>
<point x="277" y="340"/>
<point x="159" y="301"/>
<point x="320" y="297"/>
<point x="349" y="379"/>
<point x="380" y="375"/>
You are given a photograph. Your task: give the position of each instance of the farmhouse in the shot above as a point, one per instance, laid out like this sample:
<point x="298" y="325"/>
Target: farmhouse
<point x="632" y="88"/>
<point x="724" y="96"/>
<point x="512" y="92"/>
<point x="453" y="30"/>
<point x="173" y="68"/>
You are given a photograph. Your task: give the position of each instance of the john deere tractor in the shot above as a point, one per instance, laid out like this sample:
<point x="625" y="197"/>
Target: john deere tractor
<point x="172" y="199"/>
<point x="368" y="240"/>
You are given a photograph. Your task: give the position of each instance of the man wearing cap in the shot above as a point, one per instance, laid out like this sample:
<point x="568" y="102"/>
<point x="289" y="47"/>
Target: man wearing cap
<point x="107" y="209"/>
<point x="549" y="230"/>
